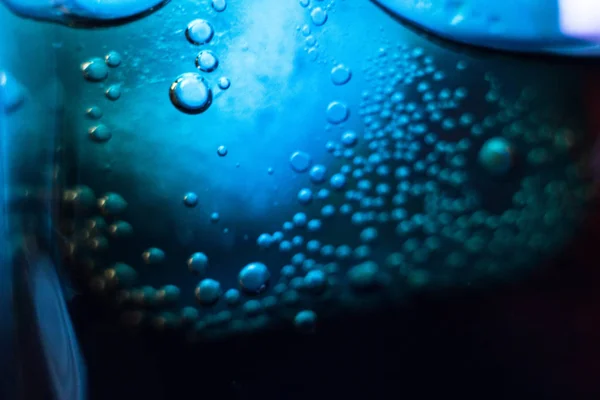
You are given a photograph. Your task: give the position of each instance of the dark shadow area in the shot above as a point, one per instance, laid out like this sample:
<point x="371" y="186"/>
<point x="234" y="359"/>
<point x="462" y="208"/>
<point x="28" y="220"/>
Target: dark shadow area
<point x="538" y="339"/>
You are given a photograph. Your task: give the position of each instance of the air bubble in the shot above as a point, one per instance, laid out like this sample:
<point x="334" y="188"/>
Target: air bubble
<point x="254" y="277"/>
<point x="12" y="90"/>
<point x="190" y="93"/>
<point x="232" y="297"/>
<point x="222" y="151"/>
<point x="338" y="181"/>
<point x="224" y="83"/>
<point x="328" y="211"/>
<point x="199" y="31"/>
<point x="337" y="112"/>
<point x="315" y="281"/>
<point x="496" y="155"/>
<point x="100" y="133"/>
<point x="113" y="92"/>
<point x="305" y="196"/>
<point x="190" y="199"/>
<point x="300" y="161"/>
<point x="94" y="70"/>
<point x="314" y="225"/>
<point x="364" y="276"/>
<point x="112" y="204"/>
<point x="318" y="173"/>
<point x="113" y="59"/>
<point x="94" y="112"/>
<point x="207" y="61"/>
<point x="120" y="229"/>
<point x="219" y="5"/>
<point x="349" y="138"/>
<point x="198" y="263"/>
<point x="264" y="241"/>
<point x="299" y="219"/>
<point x="318" y="16"/>
<point x="340" y="75"/>
<point x="208" y="291"/>
<point x="153" y="256"/>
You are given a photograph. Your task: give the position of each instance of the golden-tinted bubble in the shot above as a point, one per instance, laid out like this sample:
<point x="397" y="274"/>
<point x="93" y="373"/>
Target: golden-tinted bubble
<point x="168" y="293"/>
<point x="165" y="320"/>
<point x="94" y="69"/>
<point x="98" y="243"/>
<point x="95" y="225"/>
<point x="81" y="197"/>
<point x="97" y="284"/>
<point x="70" y="248"/>
<point x="100" y="133"/>
<point x="121" y="274"/>
<point x="120" y="229"/>
<point x="87" y="265"/>
<point x="145" y="295"/>
<point x="122" y="297"/>
<point x="132" y="318"/>
<point x="153" y="255"/>
<point x="112" y="204"/>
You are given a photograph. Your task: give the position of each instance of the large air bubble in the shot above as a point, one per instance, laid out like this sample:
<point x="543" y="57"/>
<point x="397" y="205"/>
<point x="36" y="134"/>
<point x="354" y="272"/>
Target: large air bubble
<point x="190" y="93"/>
<point x="87" y="13"/>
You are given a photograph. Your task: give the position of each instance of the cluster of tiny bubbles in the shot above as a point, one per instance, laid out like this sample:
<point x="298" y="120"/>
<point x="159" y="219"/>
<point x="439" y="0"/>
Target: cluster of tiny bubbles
<point x="86" y="239"/>
<point x="411" y="211"/>
<point x="430" y="163"/>
<point x="96" y="69"/>
<point x="318" y="16"/>
<point x="309" y="40"/>
<point x="417" y="183"/>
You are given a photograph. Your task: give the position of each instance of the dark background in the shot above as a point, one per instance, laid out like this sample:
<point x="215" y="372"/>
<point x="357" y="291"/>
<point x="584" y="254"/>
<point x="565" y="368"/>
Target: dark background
<point x="538" y="339"/>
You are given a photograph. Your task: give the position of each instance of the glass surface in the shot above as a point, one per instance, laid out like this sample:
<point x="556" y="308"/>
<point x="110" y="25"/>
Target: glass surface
<point x="214" y="171"/>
